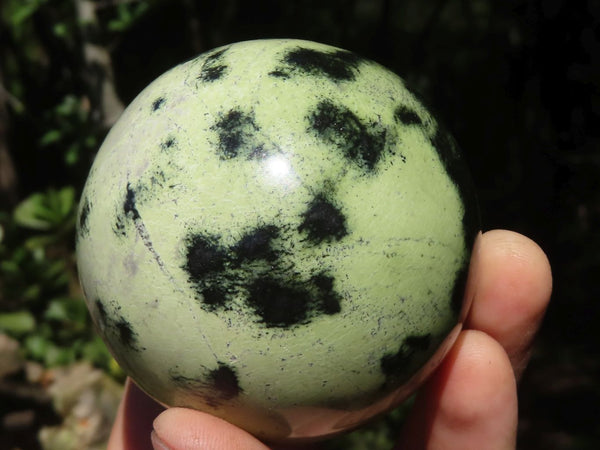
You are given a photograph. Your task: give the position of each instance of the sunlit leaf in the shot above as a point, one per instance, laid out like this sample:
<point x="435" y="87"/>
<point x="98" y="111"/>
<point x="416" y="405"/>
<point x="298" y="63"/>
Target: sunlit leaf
<point x="24" y="11"/>
<point x="67" y="200"/>
<point x="50" y="137"/>
<point x="58" y="356"/>
<point x="17" y="323"/>
<point x="60" y="29"/>
<point x="39" y="242"/>
<point x="72" y="155"/>
<point x="36" y="346"/>
<point x="68" y="106"/>
<point x="29" y="214"/>
<point x="32" y="292"/>
<point x="44" y="211"/>
<point x="96" y="352"/>
<point x="66" y="310"/>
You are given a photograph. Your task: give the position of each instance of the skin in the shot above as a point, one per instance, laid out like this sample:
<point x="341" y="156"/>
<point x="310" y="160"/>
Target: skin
<point x="470" y="402"/>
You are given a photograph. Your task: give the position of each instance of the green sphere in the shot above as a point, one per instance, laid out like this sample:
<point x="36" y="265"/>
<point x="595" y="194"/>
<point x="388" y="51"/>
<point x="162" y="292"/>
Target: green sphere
<point x="277" y="232"/>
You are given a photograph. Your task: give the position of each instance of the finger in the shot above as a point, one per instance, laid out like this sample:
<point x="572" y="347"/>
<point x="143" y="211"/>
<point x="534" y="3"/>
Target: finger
<point x="511" y="286"/>
<point x="185" y="429"/>
<point x="133" y="424"/>
<point x="470" y="402"/>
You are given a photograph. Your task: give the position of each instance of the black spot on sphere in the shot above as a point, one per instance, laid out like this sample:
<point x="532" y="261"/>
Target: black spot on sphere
<point x="323" y="221"/>
<point x="282" y="301"/>
<point x="338" y="65"/>
<point x="235" y="130"/>
<point x="213" y="73"/>
<point x="279" y="73"/>
<point x="457" y="170"/>
<point x="128" y="211"/>
<point x="257" y="244"/>
<point x="102" y="316"/>
<point x="224" y="380"/>
<point x="204" y="255"/>
<point x="168" y="143"/>
<point x="216" y="57"/>
<point x="212" y="385"/>
<point x="214" y="297"/>
<point x="278" y="305"/>
<point x="329" y="299"/>
<point x="362" y="143"/>
<point x="120" y="229"/>
<point x="397" y="365"/>
<point x="126" y="334"/>
<point x="458" y="291"/>
<point x="83" y="218"/>
<point x="158" y="103"/>
<point x="419" y="342"/>
<point x="407" y="116"/>
<point x="214" y="67"/>
<point x="129" y="205"/>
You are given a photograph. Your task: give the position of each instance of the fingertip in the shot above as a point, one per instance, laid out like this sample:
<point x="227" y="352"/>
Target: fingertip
<point x="524" y="254"/>
<point x="186" y="429"/>
<point x="511" y="292"/>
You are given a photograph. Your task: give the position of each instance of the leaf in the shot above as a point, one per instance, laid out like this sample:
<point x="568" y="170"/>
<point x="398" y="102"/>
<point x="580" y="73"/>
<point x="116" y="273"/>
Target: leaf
<point x="67" y="200"/>
<point x="45" y="211"/>
<point x="68" y="106"/>
<point x="30" y="213"/>
<point x="66" y="310"/>
<point x="58" y="356"/>
<point x="50" y="137"/>
<point x="60" y="29"/>
<point x="17" y="323"/>
<point x="57" y="310"/>
<point x="36" y="346"/>
<point x="9" y="267"/>
<point x="39" y="242"/>
<point x="72" y="155"/>
<point x="24" y="11"/>
<point x="95" y="352"/>
<point x="32" y="292"/>
<point x="127" y="15"/>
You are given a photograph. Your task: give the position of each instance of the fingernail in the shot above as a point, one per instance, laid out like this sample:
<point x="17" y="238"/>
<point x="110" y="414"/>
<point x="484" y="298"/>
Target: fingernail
<point x="157" y="443"/>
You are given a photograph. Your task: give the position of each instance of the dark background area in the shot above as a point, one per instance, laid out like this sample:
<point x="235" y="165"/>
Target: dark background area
<point x="517" y="82"/>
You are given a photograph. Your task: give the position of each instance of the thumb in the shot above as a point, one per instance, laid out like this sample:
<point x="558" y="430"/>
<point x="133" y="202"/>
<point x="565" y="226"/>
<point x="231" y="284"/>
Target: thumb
<point x="186" y="429"/>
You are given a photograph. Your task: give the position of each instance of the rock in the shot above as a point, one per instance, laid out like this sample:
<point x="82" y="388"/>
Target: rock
<point x="88" y="399"/>
<point x="11" y="359"/>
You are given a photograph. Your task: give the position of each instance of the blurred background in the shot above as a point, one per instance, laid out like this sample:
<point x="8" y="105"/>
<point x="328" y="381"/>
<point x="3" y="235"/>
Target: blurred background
<point x="517" y="82"/>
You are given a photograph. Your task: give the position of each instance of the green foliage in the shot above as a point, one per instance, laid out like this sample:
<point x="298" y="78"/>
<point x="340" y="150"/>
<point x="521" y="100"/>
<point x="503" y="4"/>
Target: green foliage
<point x="48" y="211"/>
<point x="126" y="15"/>
<point x="42" y="305"/>
<point x="17" y="12"/>
<point x="17" y="323"/>
<point x="54" y="100"/>
<point x="64" y="125"/>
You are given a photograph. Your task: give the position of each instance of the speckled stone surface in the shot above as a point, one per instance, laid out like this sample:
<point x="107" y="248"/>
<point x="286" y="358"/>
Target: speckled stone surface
<point x="277" y="232"/>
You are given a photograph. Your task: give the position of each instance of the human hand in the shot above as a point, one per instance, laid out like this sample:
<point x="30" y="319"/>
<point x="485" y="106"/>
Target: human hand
<point x="469" y="402"/>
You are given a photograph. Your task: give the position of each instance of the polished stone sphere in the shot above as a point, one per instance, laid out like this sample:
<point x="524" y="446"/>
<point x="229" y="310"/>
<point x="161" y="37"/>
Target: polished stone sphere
<point x="278" y="232"/>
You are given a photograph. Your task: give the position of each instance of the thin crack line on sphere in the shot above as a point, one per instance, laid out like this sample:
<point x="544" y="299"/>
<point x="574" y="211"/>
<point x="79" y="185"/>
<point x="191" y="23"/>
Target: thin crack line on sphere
<point x="145" y="236"/>
<point x="207" y="342"/>
<point x="427" y="240"/>
<point x="143" y="233"/>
